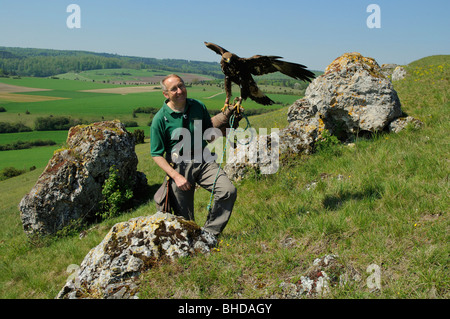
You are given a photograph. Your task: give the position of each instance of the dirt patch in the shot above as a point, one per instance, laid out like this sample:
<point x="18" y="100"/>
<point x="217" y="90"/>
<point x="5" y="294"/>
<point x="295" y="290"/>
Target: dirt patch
<point x="8" y="93"/>
<point x="27" y="98"/>
<point x="8" y="88"/>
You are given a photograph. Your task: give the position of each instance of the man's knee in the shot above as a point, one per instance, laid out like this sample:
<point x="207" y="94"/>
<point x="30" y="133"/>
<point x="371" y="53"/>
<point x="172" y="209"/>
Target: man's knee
<point x="230" y="192"/>
<point x="227" y="191"/>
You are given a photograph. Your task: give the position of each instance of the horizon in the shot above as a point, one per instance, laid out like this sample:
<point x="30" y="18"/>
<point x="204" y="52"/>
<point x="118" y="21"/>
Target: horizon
<point x="313" y="34"/>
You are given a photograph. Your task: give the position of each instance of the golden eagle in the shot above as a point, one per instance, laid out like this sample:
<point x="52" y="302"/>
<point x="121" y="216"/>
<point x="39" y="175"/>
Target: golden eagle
<point x="239" y="70"/>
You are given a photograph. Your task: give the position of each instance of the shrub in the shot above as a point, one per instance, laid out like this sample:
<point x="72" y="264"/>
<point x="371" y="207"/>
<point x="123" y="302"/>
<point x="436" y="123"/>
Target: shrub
<point x="139" y="136"/>
<point x="116" y="193"/>
<point x="57" y="123"/>
<point x="20" y="145"/>
<point x="9" y="172"/>
<point x="6" y="127"/>
<point x="130" y="123"/>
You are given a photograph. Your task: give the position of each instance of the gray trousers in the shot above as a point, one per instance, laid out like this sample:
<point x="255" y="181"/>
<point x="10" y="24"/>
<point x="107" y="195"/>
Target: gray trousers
<point x="204" y="175"/>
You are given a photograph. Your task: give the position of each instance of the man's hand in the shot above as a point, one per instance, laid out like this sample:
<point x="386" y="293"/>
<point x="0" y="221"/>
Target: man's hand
<point x="182" y="183"/>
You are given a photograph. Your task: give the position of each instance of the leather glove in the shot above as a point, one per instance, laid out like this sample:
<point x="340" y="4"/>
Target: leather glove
<point x="222" y="120"/>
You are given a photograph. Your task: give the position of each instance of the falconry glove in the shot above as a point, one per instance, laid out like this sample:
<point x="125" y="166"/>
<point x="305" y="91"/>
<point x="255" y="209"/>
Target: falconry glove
<point x="222" y="120"/>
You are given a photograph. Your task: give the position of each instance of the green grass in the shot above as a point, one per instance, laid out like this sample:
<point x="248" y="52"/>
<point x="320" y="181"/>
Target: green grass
<point x="388" y="207"/>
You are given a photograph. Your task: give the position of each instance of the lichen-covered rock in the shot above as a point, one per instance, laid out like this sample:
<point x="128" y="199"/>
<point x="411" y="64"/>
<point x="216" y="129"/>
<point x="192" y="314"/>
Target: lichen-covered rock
<point x="326" y="272"/>
<point x="399" y="73"/>
<point x="111" y="269"/>
<point x="400" y="123"/>
<point x="388" y="69"/>
<point x="258" y="154"/>
<point x="353" y="95"/>
<point x="304" y="129"/>
<point x="70" y="187"/>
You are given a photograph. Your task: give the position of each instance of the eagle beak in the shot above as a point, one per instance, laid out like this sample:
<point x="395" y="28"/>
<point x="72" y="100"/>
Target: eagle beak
<point x="227" y="60"/>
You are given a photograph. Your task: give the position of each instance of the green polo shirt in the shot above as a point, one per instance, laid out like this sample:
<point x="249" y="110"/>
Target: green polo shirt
<point x="167" y="120"/>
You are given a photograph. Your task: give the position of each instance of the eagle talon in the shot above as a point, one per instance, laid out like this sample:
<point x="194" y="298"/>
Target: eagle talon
<point x="237" y="103"/>
<point x="224" y="107"/>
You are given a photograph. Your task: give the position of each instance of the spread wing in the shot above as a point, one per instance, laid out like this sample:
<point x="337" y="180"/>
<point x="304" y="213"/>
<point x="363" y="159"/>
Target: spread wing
<point x="264" y="64"/>
<point x="216" y="48"/>
<point x="250" y="89"/>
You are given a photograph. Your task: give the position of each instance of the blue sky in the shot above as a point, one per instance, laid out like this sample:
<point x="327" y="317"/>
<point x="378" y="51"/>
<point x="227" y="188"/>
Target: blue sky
<point x="310" y="32"/>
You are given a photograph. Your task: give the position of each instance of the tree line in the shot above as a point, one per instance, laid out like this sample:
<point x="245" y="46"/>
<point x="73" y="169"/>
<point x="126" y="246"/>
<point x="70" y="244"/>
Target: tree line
<point x="44" y="63"/>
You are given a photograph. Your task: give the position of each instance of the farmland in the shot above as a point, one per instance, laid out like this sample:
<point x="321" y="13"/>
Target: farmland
<point x="91" y="96"/>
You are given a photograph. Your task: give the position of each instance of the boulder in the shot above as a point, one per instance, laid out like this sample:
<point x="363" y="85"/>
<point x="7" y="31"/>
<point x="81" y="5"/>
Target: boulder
<point x="400" y="124"/>
<point x="257" y="153"/>
<point x="388" y="68"/>
<point x="353" y="96"/>
<point x="399" y="73"/>
<point x="111" y="269"/>
<point x="70" y="187"/>
<point x="304" y="129"/>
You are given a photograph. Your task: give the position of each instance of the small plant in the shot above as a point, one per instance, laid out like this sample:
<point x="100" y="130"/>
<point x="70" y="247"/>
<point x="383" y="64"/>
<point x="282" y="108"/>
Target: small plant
<point x="115" y="193"/>
<point x="327" y="143"/>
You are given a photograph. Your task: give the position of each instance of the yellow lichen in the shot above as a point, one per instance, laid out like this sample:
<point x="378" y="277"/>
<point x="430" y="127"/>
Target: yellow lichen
<point x="369" y="64"/>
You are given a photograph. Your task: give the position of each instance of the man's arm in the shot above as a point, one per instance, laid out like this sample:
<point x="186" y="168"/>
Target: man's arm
<point x="181" y="182"/>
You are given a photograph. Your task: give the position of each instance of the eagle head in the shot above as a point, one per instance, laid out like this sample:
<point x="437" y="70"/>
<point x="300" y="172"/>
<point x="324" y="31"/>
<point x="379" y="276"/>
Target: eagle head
<point x="227" y="57"/>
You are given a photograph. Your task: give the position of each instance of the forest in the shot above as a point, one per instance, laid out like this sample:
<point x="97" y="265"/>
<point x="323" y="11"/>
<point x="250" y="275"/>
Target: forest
<point x="47" y="62"/>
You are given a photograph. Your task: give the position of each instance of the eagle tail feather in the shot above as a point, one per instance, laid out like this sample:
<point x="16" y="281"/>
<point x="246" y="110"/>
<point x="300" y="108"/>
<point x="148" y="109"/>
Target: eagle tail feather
<point x="294" y="70"/>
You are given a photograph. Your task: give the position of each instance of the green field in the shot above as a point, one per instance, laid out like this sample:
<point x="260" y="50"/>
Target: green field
<point x="92" y="107"/>
<point x="113" y="75"/>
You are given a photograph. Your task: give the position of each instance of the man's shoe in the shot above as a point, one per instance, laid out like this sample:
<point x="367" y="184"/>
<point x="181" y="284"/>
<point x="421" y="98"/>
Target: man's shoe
<point x="211" y="239"/>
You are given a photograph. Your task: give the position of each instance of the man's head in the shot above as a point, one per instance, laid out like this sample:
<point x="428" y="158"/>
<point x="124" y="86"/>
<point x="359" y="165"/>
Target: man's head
<point x="174" y="89"/>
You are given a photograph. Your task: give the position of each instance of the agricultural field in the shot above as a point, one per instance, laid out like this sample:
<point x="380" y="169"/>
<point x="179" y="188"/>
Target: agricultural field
<point x="128" y="76"/>
<point x="89" y="100"/>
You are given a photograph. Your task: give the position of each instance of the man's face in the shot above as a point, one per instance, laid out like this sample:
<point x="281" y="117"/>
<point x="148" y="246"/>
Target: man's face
<point x="176" y="90"/>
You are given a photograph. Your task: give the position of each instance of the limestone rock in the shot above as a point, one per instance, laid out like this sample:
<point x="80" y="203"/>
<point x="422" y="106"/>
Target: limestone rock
<point x="304" y="128"/>
<point x="400" y="124"/>
<point x="326" y="272"/>
<point x="70" y="186"/>
<point x="353" y="95"/>
<point x="388" y="69"/>
<point x="258" y="154"/>
<point x="111" y="269"/>
<point x="399" y="73"/>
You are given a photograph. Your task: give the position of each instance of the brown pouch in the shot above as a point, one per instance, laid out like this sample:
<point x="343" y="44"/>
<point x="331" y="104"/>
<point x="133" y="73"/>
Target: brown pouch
<point x="162" y="197"/>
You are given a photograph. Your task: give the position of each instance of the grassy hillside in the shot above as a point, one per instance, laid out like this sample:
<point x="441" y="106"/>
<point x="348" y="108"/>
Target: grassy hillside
<point x="389" y="207"/>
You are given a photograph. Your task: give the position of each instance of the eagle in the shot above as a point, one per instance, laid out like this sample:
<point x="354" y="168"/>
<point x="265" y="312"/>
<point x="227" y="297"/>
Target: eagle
<point x="239" y="70"/>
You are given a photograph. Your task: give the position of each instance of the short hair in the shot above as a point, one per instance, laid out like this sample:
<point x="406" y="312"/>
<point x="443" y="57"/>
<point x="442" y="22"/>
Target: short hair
<point x="163" y="86"/>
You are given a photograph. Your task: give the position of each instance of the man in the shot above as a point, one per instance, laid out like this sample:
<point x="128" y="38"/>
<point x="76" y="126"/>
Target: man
<point x="180" y="160"/>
